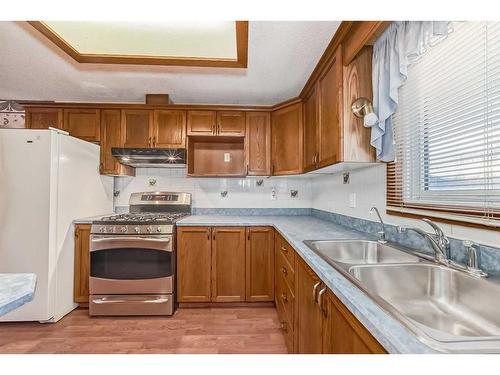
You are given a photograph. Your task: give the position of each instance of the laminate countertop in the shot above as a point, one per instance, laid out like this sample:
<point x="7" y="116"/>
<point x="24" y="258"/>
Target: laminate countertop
<point x="393" y="336"/>
<point x="16" y="289"/>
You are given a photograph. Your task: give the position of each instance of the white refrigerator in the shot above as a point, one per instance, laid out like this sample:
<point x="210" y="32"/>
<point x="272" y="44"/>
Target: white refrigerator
<point x="47" y="180"/>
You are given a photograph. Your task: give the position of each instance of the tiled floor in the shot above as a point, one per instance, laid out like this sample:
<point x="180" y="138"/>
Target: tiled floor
<point x="191" y="330"/>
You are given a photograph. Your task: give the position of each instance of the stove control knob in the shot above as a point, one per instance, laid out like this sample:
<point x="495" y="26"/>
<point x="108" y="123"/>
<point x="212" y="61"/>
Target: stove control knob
<point x="123" y="229"/>
<point x="137" y="229"/>
<point x="149" y="229"/>
<point x="158" y="229"/>
<point x="102" y="230"/>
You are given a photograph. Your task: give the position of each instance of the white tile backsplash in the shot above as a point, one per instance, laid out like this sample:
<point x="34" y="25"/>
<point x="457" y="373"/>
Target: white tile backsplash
<point x="241" y="192"/>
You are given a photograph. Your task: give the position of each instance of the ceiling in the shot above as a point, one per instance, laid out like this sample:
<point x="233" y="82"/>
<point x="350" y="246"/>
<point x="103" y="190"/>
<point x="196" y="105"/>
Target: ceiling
<point x="281" y="56"/>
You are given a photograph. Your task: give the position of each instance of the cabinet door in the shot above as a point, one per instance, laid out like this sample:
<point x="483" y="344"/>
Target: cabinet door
<point x="83" y="123"/>
<point x="82" y="263"/>
<point x="258" y="143"/>
<point x="111" y="136"/>
<point x="193" y="264"/>
<point x="137" y="126"/>
<point x="260" y="264"/>
<point x="311" y="130"/>
<point x="231" y="123"/>
<point x="201" y="122"/>
<point x="309" y="319"/>
<point x="43" y="118"/>
<point x="169" y="129"/>
<point x="287" y="138"/>
<point x="228" y="264"/>
<point x="343" y="333"/>
<point x="330" y="121"/>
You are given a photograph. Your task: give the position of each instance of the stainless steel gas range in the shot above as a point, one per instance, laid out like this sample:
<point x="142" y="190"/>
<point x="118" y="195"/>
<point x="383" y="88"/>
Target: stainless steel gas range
<point x="132" y="256"/>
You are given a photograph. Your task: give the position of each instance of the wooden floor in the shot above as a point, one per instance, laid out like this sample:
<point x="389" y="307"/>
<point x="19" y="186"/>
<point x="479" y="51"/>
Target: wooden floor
<point x="191" y="330"/>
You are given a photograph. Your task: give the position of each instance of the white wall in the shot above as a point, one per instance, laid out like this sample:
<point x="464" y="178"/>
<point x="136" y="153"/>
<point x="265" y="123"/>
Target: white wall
<point x="242" y="192"/>
<point x="369" y="185"/>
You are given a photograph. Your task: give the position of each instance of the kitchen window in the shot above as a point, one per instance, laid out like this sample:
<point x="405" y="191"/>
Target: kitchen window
<point x="447" y="130"/>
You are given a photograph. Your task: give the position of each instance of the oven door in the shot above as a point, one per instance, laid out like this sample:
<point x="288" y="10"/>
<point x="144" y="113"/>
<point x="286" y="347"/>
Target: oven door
<point x="126" y="264"/>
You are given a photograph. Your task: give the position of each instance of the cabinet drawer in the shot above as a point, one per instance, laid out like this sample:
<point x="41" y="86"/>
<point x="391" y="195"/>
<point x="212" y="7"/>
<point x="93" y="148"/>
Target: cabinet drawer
<point x="286" y="326"/>
<point x="285" y="270"/>
<point x="287" y="251"/>
<point x="285" y="297"/>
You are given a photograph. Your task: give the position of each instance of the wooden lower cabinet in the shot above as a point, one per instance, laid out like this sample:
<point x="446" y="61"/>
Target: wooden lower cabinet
<point x="194" y="246"/>
<point x="309" y="321"/>
<point x="82" y="263"/>
<point x="259" y="264"/>
<point x="228" y="264"/>
<point x="225" y="264"/>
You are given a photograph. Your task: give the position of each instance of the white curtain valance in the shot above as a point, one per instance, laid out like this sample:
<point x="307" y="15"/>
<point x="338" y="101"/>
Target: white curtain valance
<point x="399" y="46"/>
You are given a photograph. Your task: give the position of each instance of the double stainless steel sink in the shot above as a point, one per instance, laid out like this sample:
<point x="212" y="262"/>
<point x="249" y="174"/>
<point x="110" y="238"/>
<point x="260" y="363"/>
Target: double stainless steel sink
<point x="447" y="309"/>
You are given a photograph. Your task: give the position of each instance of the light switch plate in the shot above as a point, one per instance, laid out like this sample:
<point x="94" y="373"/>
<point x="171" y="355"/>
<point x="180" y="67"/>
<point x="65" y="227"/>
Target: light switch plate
<point x="352" y="200"/>
<point x="227" y="157"/>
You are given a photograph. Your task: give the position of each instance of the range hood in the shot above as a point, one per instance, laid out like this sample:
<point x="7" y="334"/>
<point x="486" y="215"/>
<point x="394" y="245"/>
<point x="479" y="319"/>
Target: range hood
<point x="151" y="157"/>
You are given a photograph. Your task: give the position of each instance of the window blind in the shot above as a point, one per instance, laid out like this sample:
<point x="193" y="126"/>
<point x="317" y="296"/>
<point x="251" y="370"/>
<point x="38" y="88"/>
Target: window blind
<point x="447" y="128"/>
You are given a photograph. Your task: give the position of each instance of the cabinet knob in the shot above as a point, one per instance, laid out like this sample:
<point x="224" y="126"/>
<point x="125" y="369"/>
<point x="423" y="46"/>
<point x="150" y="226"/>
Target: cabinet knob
<point x="284" y="297"/>
<point x="284" y="249"/>
<point x="283" y="326"/>
<point x="284" y="270"/>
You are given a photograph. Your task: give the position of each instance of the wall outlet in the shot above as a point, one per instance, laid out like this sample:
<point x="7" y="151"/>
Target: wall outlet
<point x="273" y="194"/>
<point x="227" y="157"/>
<point x="223" y="194"/>
<point x="294" y="193"/>
<point x="346" y="178"/>
<point x="352" y="200"/>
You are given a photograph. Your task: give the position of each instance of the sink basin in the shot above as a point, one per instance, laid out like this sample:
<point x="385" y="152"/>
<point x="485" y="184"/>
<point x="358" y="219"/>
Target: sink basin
<point x="445" y="304"/>
<point x="350" y="252"/>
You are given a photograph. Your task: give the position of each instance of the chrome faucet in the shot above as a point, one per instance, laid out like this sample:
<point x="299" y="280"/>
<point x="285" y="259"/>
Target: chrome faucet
<point x="439" y="242"/>
<point x="381" y="234"/>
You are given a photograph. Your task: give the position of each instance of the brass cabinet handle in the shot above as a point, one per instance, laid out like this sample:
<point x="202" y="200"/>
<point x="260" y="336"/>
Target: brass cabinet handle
<point x="149" y="141"/>
<point x="284" y="297"/>
<point x="154" y="141"/>
<point x="283" y="326"/>
<point x="247" y="169"/>
<point x="320" y="300"/>
<point x="208" y="234"/>
<point x="315" y="288"/>
<point x="284" y="270"/>
<point x="317" y="159"/>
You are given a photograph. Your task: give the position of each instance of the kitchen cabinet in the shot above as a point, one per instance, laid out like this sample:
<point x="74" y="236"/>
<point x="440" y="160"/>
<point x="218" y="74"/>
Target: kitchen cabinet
<point x="43" y="118"/>
<point x="309" y="322"/>
<point x="230" y="123"/>
<point x="287" y="140"/>
<point x="258" y="143"/>
<point x="225" y="264"/>
<point x="228" y="264"/>
<point x="311" y="134"/>
<point x="82" y="263"/>
<point x="194" y="254"/>
<point x="83" y="123"/>
<point x="259" y="264"/>
<point x="169" y="129"/>
<point x="137" y="127"/>
<point x="201" y="123"/>
<point x="111" y="136"/>
<point x="343" y="333"/>
<point x="330" y="112"/>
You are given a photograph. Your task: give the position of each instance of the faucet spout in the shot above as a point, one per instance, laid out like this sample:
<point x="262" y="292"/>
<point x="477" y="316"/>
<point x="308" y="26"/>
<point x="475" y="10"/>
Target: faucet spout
<point x="381" y="233"/>
<point x="440" y="253"/>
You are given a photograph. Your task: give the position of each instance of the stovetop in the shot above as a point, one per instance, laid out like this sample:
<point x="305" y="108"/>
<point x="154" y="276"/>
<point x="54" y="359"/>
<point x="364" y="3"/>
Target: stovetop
<point x="142" y="218"/>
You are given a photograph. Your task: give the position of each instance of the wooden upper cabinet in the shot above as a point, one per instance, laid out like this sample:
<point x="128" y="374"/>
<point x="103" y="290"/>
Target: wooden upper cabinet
<point x="228" y="264"/>
<point x="43" y="118"/>
<point x="82" y="263"/>
<point x="311" y="130"/>
<point x="201" y="122"/>
<point x="83" y="123"/>
<point x="260" y="264"/>
<point x="258" y="143"/>
<point x="330" y="112"/>
<point x="169" y="129"/>
<point x="231" y="123"/>
<point x="309" y="320"/>
<point x="194" y="246"/>
<point x="137" y="127"/>
<point x="111" y="136"/>
<point x="287" y="140"/>
<point x="343" y="333"/>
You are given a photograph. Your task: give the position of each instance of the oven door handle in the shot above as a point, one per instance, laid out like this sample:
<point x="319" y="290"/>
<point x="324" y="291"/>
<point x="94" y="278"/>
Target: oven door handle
<point x="110" y="300"/>
<point x="123" y="238"/>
